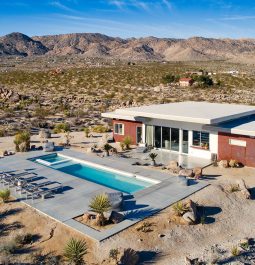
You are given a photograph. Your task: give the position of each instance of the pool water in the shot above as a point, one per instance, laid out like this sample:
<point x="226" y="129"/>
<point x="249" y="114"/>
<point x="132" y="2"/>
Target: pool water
<point x="125" y="183"/>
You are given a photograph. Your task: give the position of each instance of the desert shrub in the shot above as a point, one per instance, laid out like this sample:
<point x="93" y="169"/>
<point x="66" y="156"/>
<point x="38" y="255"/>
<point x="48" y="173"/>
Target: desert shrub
<point x="24" y="239"/>
<point x="75" y="250"/>
<point x="203" y="219"/>
<point x="113" y="254"/>
<point x="2" y="133"/>
<point x="22" y="141"/>
<point x="235" y="251"/>
<point x="245" y="245"/>
<point x="86" y="131"/>
<point x="61" y="127"/>
<point x="5" y="195"/>
<point x="100" y="129"/>
<point x="145" y="227"/>
<point x="179" y="208"/>
<point x="127" y="142"/>
<point x="234" y="188"/>
<point x="9" y="248"/>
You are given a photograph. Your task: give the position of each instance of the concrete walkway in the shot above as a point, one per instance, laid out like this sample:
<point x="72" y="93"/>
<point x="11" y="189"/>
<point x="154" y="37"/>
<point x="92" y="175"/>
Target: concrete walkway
<point x="73" y="201"/>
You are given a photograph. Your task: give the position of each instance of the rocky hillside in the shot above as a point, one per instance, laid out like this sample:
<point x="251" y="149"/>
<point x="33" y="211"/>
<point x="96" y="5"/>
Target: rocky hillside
<point x="150" y="48"/>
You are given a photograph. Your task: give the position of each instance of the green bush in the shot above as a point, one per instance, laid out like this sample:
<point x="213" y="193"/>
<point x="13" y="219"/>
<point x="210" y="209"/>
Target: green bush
<point x="61" y="127"/>
<point x="75" y="251"/>
<point x="127" y="142"/>
<point x="86" y="131"/>
<point x="22" y="141"/>
<point x="5" y="195"/>
<point x="100" y="129"/>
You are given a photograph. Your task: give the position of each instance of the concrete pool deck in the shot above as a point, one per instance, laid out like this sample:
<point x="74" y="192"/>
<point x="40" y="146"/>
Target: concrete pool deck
<point x="73" y="201"/>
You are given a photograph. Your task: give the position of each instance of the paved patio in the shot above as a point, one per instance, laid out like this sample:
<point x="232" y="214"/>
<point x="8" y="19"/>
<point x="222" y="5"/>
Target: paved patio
<point x="73" y="201"/>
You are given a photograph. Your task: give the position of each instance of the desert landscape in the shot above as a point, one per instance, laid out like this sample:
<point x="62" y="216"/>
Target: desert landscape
<point x="54" y="88"/>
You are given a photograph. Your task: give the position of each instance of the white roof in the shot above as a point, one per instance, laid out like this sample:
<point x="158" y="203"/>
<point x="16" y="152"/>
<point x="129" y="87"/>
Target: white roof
<point x="189" y="111"/>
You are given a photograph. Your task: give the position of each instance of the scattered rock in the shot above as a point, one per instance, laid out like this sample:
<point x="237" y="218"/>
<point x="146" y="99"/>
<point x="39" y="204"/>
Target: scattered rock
<point x="223" y="164"/>
<point x="186" y="172"/>
<point x="197" y="171"/>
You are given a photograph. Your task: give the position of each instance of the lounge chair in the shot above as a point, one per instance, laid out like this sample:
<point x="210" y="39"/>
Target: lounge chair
<point x="44" y="192"/>
<point x="26" y="186"/>
<point x="116" y="200"/>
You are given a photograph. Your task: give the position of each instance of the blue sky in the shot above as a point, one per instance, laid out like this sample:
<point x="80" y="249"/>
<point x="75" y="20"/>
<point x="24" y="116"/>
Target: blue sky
<point x="130" y="18"/>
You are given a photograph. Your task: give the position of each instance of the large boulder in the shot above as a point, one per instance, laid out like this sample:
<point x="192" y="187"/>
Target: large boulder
<point x="173" y="167"/>
<point x="186" y="173"/>
<point x="197" y="172"/>
<point x="223" y="164"/>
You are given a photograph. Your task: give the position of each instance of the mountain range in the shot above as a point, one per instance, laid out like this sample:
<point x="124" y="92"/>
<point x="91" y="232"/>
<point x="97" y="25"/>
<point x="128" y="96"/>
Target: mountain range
<point x="149" y="48"/>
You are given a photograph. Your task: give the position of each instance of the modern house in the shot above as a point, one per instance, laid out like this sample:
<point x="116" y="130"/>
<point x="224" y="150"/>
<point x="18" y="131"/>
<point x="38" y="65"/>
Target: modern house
<point x="198" y="129"/>
<point x="184" y="82"/>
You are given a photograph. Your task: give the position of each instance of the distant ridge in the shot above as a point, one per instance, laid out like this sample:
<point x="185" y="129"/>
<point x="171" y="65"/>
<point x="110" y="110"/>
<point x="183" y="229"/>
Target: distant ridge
<point x="149" y="48"/>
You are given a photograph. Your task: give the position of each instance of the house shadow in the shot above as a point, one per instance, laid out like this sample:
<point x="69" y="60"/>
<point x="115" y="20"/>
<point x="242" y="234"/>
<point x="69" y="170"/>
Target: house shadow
<point x="148" y="257"/>
<point x="207" y="212"/>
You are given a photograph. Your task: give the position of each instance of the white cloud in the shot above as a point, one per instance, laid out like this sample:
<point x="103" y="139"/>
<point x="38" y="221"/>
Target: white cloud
<point x="167" y="4"/>
<point x="59" y="5"/>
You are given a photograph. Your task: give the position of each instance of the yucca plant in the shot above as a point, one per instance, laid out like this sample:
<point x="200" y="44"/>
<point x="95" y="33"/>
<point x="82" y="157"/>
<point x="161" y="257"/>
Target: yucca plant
<point x="5" y="195"/>
<point x="75" y="251"/>
<point x="100" y="204"/>
<point x="235" y="251"/>
<point x="179" y="208"/>
<point x="153" y="157"/>
<point x="107" y="148"/>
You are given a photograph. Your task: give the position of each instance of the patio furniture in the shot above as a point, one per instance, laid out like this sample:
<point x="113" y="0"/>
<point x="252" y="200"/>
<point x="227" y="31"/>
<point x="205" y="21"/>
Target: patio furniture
<point x="44" y="192"/>
<point x="116" y="200"/>
<point x="48" y="146"/>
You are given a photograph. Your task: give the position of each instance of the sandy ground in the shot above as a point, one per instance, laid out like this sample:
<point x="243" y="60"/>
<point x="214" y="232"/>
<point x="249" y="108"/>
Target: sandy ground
<point x="229" y="219"/>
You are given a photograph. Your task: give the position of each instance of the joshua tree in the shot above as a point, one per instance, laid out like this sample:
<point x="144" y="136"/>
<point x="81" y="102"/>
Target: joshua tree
<point x="22" y="141"/>
<point x="100" y="204"/>
<point x="75" y="250"/>
<point x="152" y="157"/>
<point x="5" y="195"/>
<point x="130" y="257"/>
<point x="107" y="148"/>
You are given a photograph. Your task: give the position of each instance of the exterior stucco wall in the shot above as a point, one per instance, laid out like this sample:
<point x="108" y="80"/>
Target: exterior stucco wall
<point x="243" y="154"/>
<point x="129" y="130"/>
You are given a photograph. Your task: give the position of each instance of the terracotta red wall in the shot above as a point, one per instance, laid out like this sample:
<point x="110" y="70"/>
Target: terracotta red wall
<point x="245" y="155"/>
<point x="129" y="130"/>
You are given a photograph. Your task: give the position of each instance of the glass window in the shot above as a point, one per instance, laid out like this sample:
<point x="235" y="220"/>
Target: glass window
<point x="158" y="136"/>
<point x="175" y="139"/>
<point x="166" y="138"/>
<point x="119" y="128"/>
<point x="201" y="139"/>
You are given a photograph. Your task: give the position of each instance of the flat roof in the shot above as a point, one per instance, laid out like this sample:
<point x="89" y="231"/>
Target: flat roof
<point x="188" y="111"/>
<point x="241" y="126"/>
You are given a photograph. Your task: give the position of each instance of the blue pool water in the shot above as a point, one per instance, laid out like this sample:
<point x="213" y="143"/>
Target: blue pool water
<point x="106" y="178"/>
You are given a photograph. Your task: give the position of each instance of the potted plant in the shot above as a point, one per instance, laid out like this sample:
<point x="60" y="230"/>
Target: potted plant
<point x="206" y="146"/>
<point x="152" y="157"/>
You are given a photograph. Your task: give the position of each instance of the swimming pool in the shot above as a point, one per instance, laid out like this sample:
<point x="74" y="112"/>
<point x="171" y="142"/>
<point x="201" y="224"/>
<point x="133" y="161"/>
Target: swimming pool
<point x="111" y="178"/>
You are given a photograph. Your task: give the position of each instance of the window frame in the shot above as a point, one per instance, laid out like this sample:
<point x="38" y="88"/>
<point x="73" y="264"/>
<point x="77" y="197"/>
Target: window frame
<point x="118" y="124"/>
<point x="200" y="140"/>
